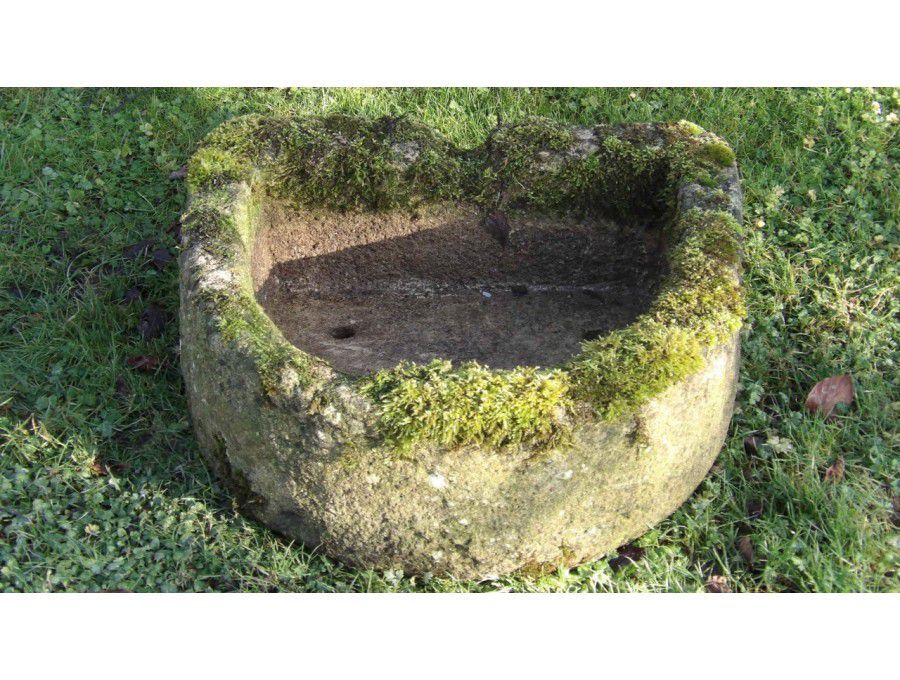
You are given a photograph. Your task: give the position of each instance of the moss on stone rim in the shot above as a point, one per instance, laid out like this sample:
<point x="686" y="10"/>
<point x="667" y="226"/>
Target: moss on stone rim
<point x="631" y="172"/>
<point x="337" y="162"/>
<point x="719" y="152"/>
<point x="472" y="404"/>
<point x="699" y="306"/>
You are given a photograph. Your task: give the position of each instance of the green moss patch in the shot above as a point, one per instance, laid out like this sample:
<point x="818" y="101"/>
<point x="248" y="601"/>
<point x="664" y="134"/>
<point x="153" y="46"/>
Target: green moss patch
<point x="336" y="162"/>
<point x="471" y="404"/>
<point x="718" y="152"/>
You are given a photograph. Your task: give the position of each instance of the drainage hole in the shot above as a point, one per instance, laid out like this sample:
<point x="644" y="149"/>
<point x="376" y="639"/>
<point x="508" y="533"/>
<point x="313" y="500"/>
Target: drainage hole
<point x="343" y="332"/>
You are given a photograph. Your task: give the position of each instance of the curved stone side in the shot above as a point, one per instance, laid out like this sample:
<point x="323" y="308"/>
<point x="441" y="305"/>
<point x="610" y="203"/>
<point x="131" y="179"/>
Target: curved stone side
<point x="467" y="512"/>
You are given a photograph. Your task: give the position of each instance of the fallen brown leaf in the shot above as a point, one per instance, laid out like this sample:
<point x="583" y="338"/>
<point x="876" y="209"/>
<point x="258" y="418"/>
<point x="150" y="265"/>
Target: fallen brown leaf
<point x="119" y="468"/>
<point x="175" y="230"/>
<point x="153" y="322"/>
<point x="835" y="471"/>
<point x="752" y="443"/>
<point x="828" y="393"/>
<point x="99" y="468"/>
<point x="754" y="508"/>
<point x="717" y="584"/>
<point x="627" y="554"/>
<point x="134" y="250"/>
<point x="143" y="363"/>
<point x="122" y="388"/>
<point x="745" y="548"/>
<point x="161" y="257"/>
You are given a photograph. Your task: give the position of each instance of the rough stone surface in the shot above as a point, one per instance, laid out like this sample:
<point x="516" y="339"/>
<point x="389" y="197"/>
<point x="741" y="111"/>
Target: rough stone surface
<point x="299" y="444"/>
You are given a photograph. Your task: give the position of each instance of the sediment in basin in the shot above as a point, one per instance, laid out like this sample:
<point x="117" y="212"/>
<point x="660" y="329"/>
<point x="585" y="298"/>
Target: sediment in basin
<point x="366" y="291"/>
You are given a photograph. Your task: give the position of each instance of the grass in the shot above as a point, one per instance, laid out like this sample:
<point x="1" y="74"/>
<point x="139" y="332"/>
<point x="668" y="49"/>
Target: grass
<point x="101" y="487"/>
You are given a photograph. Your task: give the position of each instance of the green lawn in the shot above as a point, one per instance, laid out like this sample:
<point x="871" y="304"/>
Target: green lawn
<point x="101" y="486"/>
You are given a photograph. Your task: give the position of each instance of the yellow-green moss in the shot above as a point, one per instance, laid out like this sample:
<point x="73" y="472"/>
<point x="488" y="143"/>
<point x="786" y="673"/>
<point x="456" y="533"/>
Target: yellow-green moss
<point x="699" y="306"/>
<point x="689" y="128"/>
<point x="542" y="165"/>
<point x="471" y="405"/>
<point x="209" y="219"/>
<point x="618" y="372"/>
<point x="508" y="166"/>
<point x="718" y="152"/>
<point x="704" y="178"/>
<point x="216" y="166"/>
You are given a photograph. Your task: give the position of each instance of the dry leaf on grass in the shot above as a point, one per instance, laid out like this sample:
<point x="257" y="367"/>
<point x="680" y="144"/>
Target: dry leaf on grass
<point x="160" y="258"/>
<point x="745" y="548"/>
<point x="754" y="508"/>
<point x="153" y="322"/>
<point x="717" y="584"/>
<point x="122" y="388"/>
<point x="835" y="471"/>
<point x="627" y="554"/>
<point x="752" y="444"/>
<point x="175" y="230"/>
<point x="137" y="249"/>
<point x="143" y="363"/>
<point x="828" y="393"/>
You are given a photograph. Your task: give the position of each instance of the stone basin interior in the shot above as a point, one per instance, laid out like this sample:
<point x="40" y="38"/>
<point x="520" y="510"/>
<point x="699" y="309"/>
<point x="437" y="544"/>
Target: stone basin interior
<point x="367" y="290"/>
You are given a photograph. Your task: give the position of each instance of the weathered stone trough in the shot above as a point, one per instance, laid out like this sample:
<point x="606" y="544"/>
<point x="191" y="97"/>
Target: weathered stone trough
<point x="464" y="362"/>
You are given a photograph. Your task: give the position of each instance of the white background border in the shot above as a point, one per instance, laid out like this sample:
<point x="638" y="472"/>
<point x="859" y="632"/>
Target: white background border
<point x="264" y="43"/>
<point x="459" y="42"/>
<point x="449" y="636"/>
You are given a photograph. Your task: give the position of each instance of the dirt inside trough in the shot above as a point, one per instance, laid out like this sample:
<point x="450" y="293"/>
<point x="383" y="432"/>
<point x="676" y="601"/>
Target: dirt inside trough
<point x="365" y="291"/>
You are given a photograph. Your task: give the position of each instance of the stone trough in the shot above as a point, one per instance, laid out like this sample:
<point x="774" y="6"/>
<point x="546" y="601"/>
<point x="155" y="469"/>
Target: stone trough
<point x="466" y="362"/>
